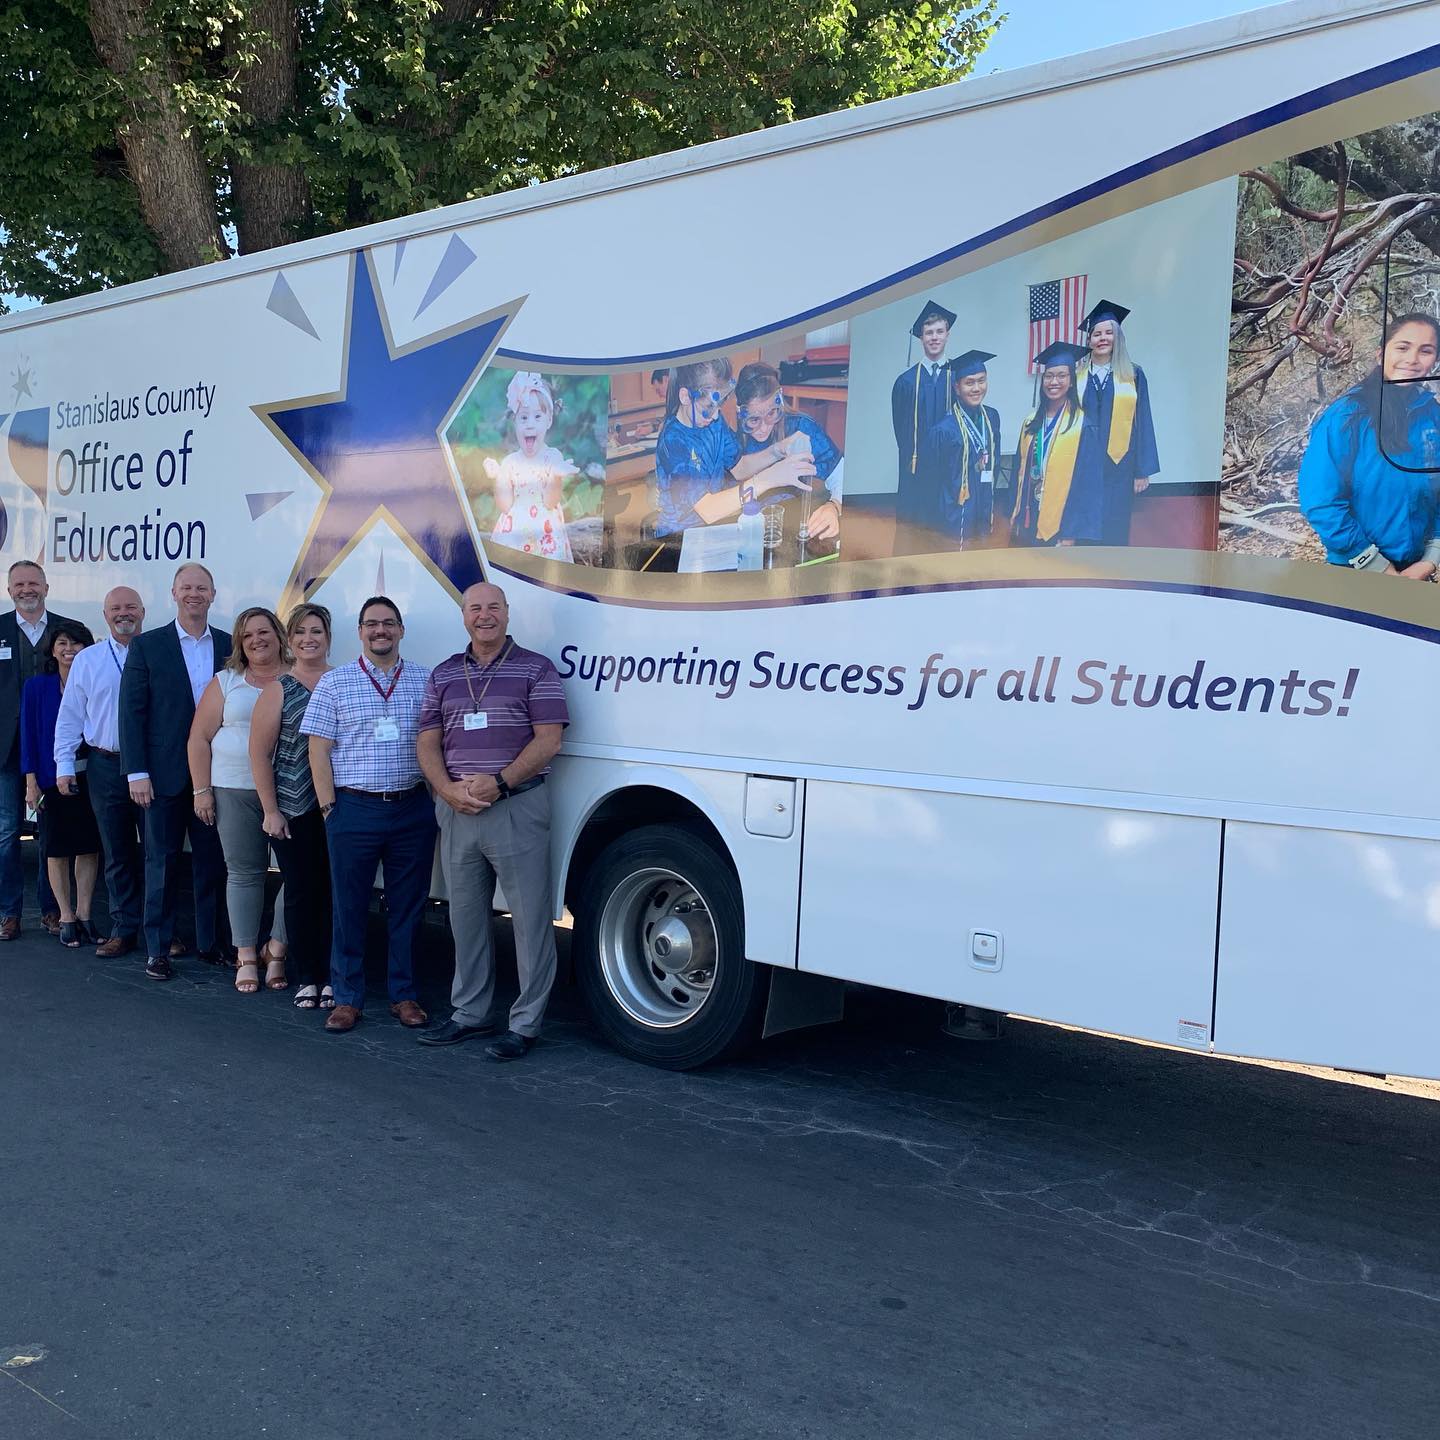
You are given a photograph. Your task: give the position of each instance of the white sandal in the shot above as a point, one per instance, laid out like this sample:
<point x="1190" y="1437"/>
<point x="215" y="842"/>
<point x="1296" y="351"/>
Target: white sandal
<point x="307" y="997"/>
<point x="327" y="999"/>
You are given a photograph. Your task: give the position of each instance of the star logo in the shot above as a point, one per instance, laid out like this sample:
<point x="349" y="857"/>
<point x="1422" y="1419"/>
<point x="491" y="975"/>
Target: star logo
<point x="376" y="446"/>
<point x="21" y="383"/>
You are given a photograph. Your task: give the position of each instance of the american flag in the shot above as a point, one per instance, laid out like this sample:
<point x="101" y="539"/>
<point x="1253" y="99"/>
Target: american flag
<point x="1056" y="310"/>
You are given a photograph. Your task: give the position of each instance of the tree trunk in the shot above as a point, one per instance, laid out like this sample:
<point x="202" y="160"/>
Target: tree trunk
<point x="177" y="197"/>
<point x="272" y="202"/>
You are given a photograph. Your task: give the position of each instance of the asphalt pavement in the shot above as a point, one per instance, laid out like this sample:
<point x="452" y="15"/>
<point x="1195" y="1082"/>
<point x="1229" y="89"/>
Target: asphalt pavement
<point x="220" y="1222"/>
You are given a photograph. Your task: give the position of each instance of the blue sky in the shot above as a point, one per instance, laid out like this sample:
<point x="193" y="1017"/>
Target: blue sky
<point x="1046" y="29"/>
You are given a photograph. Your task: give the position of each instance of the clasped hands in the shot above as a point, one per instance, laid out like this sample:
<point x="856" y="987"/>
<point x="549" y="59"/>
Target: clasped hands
<point x="471" y="795"/>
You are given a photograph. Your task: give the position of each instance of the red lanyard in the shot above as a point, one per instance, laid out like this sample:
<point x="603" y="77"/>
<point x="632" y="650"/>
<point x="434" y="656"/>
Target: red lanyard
<point x="394" y="680"/>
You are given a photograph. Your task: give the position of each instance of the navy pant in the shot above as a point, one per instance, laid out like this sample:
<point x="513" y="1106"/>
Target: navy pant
<point x="12" y="878"/>
<point x="168" y="820"/>
<point x="119" y="819"/>
<point x="365" y="831"/>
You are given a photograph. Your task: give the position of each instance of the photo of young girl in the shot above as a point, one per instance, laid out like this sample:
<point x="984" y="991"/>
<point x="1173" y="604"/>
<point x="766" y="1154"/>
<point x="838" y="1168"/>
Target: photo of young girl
<point x="1057" y="493"/>
<point x="530" y="449"/>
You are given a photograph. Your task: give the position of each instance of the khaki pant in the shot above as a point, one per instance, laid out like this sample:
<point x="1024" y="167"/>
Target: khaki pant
<point x="511" y="841"/>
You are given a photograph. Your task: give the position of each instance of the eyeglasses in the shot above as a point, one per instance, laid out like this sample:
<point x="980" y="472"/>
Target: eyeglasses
<point x="763" y="419"/>
<point x="379" y="624"/>
<point x="708" y="402"/>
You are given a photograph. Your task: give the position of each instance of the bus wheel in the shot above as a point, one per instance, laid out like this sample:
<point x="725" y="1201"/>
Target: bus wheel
<point x="659" y="950"/>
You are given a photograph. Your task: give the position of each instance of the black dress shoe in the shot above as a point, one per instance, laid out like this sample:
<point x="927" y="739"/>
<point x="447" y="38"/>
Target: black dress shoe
<point x="213" y="957"/>
<point x="452" y="1033"/>
<point x="158" y="967"/>
<point x="509" y="1046"/>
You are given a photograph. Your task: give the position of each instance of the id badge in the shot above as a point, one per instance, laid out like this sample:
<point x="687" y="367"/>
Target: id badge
<point x="386" y="729"/>
<point x="987" y="477"/>
<point x="477" y="720"/>
<point x="4" y="652"/>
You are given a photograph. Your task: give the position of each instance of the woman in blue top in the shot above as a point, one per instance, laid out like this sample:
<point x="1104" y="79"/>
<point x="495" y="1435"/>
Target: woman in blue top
<point x="768" y="427"/>
<point x="1368" y="481"/>
<point x="67" y="822"/>
<point x="699" y="470"/>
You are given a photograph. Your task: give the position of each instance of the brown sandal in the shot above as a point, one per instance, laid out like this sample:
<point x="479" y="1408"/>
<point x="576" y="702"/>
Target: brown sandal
<point x="273" y="981"/>
<point x="247" y="984"/>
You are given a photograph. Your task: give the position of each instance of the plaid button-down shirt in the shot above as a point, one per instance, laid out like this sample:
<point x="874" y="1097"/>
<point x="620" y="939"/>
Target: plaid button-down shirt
<point x="345" y="708"/>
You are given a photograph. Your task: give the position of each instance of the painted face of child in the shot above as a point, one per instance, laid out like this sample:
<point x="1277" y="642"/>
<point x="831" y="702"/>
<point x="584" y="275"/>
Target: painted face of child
<point x="1102" y="341"/>
<point x="702" y="407"/>
<point x="934" y="336"/>
<point x="532" y="425"/>
<point x="1055" y="382"/>
<point x="972" y="389"/>
<point x="1411" y="352"/>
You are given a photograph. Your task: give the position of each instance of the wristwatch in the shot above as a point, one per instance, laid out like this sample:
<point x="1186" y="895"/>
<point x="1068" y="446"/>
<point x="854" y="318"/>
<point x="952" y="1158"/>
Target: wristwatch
<point x="502" y="786"/>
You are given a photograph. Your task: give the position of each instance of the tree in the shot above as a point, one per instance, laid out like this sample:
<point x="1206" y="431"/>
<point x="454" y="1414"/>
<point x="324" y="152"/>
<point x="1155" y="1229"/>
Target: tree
<point x="139" y="136"/>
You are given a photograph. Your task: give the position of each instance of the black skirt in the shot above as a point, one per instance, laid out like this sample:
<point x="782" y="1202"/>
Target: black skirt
<point x="68" y="823"/>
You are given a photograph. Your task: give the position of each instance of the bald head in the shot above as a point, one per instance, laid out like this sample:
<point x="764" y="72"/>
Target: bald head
<point x="124" y="613"/>
<point x="487" y="617"/>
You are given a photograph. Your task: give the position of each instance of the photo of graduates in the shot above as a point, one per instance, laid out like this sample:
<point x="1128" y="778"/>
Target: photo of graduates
<point x="730" y="462"/>
<point x="1018" y="411"/>
<point x="1333" y="424"/>
<point x="531" y="453"/>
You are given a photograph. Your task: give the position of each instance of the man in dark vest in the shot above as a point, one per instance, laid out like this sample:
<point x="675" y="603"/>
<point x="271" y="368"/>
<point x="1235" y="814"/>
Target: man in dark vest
<point x="22" y="632"/>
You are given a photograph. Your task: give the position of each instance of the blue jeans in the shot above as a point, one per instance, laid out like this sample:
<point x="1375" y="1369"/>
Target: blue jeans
<point x="12" y="878"/>
<point x="363" y="832"/>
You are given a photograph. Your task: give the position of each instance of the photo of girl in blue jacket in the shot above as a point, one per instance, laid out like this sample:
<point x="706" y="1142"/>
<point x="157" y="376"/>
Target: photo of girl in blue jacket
<point x="1370" y="478"/>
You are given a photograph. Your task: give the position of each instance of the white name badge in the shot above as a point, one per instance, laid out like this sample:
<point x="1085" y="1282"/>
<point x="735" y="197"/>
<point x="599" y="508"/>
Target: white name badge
<point x="476" y="720"/>
<point x="987" y="477"/>
<point x="386" y="729"/>
<point x="4" y="652"/>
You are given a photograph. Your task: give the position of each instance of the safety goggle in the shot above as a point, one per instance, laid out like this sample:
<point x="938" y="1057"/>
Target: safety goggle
<point x="708" y="402"/>
<point x="753" y="419"/>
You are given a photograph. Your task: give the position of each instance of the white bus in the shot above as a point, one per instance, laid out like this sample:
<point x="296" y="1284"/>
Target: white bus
<point x="1096" y="688"/>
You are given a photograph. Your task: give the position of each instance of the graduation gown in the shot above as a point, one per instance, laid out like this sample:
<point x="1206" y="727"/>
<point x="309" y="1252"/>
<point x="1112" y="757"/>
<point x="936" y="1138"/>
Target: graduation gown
<point x="919" y="400"/>
<point x="1064" y="500"/>
<point x="1139" y="457"/>
<point x="967" y="506"/>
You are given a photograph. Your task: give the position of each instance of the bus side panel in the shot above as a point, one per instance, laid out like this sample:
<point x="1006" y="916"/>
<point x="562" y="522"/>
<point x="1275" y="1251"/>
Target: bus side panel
<point x="1330" y="949"/>
<point x="1103" y="918"/>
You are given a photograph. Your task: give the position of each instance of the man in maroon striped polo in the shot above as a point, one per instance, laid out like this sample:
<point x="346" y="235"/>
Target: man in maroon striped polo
<point x="490" y="724"/>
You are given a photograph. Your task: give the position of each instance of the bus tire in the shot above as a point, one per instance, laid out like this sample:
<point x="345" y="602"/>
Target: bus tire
<point x="659" y="950"/>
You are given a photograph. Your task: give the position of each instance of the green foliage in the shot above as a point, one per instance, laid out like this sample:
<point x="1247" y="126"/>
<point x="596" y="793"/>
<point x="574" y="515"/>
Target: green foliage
<point x="399" y="110"/>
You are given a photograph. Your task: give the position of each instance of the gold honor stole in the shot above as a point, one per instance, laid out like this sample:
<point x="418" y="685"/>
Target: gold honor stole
<point x="1122" y="414"/>
<point x="1059" y="471"/>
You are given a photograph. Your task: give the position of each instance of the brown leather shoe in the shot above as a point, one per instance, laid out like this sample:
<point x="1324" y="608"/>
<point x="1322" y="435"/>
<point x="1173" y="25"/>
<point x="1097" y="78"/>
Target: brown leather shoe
<point x="408" y="1013"/>
<point x="115" y="947"/>
<point x="341" y="1019"/>
<point x="50" y="921"/>
<point x="10" y="928"/>
<point x="178" y="948"/>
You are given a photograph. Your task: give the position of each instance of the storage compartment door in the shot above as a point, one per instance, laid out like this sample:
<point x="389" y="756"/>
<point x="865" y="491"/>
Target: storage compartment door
<point x="1101" y="918"/>
<point x="1330" y="949"/>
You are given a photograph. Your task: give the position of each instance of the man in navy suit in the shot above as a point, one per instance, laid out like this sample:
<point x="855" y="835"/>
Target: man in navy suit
<point x="22" y="632"/>
<point x="165" y="675"/>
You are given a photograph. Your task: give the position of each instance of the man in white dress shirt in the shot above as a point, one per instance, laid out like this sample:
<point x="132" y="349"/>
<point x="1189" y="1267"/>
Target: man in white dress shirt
<point x="90" y="713"/>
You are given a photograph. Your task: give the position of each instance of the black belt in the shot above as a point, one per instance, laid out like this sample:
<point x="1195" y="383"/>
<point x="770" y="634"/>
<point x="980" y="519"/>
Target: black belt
<point x="530" y="784"/>
<point x="390" y="796"/>
<point x="108" y="754"/>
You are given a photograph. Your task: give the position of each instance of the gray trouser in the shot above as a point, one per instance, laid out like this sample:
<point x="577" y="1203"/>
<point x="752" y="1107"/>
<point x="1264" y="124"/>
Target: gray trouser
<point x="238" y="817"/>
<point x="511" y="841"/>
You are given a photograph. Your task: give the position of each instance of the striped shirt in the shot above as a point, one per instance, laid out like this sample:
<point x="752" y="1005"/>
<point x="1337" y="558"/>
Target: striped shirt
<point x="294" y="787"/>
<point x="517" y="691"/>
<point x="347" y="708"/>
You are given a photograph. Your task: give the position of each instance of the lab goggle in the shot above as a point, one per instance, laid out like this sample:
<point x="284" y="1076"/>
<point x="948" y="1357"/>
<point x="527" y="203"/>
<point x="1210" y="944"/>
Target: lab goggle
<point x="753" y="418"/>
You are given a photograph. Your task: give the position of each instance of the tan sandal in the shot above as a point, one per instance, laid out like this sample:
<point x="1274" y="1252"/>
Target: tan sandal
<point x="275" y="981"/>
<point x="247" y="984"/>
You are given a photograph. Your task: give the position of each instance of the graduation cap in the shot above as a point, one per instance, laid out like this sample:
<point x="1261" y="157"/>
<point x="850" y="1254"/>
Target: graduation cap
<point x="972" y="362"/>
<point x="932" y="311"/>
<point x="1105" y="310"/>
<point x="1061" y="353"/>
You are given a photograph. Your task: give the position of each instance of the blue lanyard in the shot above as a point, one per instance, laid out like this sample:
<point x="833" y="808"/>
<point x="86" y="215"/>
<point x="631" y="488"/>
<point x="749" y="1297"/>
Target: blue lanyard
<point x="110" y="646"/>
<point x="976" y="432"/>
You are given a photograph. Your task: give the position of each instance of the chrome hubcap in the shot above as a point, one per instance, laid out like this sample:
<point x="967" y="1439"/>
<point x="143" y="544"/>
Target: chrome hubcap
<point x="658" y="948"/>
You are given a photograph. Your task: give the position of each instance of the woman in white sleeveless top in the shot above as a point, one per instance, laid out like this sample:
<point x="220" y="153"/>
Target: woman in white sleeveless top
<point x="225" y="795"/>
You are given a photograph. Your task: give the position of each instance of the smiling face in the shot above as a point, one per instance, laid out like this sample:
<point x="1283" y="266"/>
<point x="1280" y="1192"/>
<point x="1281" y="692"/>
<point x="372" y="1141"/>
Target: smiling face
<point x="972" y="389"/>
<point x="308" y="640"/>
<point x="193" y="593"/>
<point x="487" y="617"/>
<point x="28" y="589"/>
<point x="759" y="417"/>
<point x="1102" y="341"/>
<point x="380" y="633"/>
<point x="1410" y="352"/>
<point x="934" y="336"/>
<point x="532" y="425"/>
<point x="124" y="613"/>
<point x="258" y="641"/>
<point x="1055" y="382"/>
<point x="65" y="649"/>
